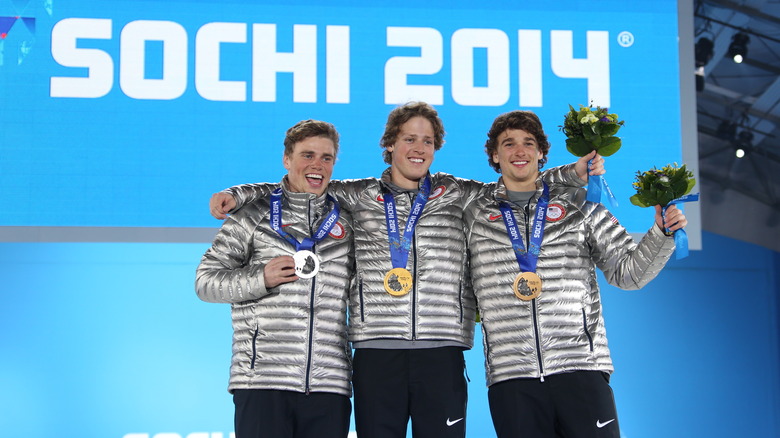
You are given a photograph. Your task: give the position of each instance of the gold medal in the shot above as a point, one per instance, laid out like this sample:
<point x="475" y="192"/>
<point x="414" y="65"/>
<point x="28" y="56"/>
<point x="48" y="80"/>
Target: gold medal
<point x="398" y="282"/>
<point x="527" y="286"/>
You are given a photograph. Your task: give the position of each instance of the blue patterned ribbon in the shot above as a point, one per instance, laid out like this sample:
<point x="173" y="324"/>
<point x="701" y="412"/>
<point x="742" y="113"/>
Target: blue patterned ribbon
<point x="527" y="259"/>
<point x="598" y="185"/>
<point x="401" y="245"/>
<point x="680" y="236"/>
<point x="307" y="243"/>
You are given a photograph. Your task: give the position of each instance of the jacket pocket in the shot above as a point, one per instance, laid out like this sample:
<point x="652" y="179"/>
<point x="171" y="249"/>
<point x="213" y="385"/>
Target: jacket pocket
<point x="360" y="296"/>
<point x="254" y="348"/>
<point x="585" y="328"/>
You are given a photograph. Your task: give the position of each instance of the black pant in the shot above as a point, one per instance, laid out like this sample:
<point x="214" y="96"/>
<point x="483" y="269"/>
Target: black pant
<point x="262" y="413"/>
<point x="579" y="404"/>
<point x="427" y="385"/>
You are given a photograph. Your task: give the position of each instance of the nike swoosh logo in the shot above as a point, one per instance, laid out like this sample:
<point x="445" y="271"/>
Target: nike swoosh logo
<point x="450" y="423"/>
<point x="493" y="217"/>
<point x="599" y="424"/>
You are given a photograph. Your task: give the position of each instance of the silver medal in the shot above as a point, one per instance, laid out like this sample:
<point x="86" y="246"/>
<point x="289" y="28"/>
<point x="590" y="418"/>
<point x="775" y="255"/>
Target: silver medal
<point x="307" y="264"/>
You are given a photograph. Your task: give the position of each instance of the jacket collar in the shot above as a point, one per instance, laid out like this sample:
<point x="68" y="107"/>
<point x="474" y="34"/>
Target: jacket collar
<point x="302" y="198"/>
<point x="500" y="192"/>
<point x="387" y="182"/>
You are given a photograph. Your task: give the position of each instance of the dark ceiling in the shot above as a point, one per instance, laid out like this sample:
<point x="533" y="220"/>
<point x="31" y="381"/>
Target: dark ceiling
<point x="739" y="104"/>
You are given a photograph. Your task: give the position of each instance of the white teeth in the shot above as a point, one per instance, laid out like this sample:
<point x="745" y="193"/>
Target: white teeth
<point x="518" y="163"/>
<point x="416" y="160"/>
<point x="313" y="175"/>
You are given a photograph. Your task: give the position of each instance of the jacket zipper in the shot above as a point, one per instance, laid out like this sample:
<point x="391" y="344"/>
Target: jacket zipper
<point x="311" y="316"/>
<point x="311" y="332"/>
<point x="537" y="330"/>
<point x="414" y="272"/>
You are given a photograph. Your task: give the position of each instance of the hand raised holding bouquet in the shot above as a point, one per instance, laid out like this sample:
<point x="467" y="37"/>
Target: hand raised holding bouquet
<point x="668" y="186"/>
<point x="593" y="129"/>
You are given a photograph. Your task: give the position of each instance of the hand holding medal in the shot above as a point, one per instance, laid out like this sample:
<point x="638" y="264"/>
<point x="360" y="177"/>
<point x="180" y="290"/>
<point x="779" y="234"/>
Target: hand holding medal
<point x="669" y="186"/>
<point x="593" y="129"/>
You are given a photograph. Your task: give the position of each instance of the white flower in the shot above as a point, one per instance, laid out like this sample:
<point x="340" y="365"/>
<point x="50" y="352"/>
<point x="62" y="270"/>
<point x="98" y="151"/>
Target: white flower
<point x="588" y="119"/>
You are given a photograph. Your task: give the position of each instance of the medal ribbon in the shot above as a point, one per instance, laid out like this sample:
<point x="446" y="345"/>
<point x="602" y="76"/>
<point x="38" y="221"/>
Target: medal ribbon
<point x="598" y="185"/>
<point x="308" y="242"/>
<point x="680" y="236"/>
<point x="527" y="259"/>
<point x="401" y="245"/>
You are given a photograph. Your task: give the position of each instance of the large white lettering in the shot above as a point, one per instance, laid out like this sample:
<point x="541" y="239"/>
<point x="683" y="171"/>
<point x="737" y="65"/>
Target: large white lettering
<point x="100" y="76"/>
<point x="493" y="88"/>
<point x="529" y="68"/>
<point x="132" y="60"/>
<point x="207" y="61"/>
<point x="464" y="92"/>
<point x="594" y="68"/>
<point x="397" y="68"/>
<point x="266" y="61"/>
<point x="301" y="62"/>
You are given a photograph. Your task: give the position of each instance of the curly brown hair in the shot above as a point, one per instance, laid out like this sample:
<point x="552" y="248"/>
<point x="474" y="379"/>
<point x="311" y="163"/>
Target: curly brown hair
<point x="403" y="114"/>
<point x="524" y="120"/>
<point x="310" y="128"/>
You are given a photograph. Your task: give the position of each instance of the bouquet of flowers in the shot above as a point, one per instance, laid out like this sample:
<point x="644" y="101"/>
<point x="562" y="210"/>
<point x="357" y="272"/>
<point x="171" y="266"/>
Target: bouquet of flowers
<point x="660" y="187"/>
<point x="591" y="129"/>
<point x="668" y="186"/>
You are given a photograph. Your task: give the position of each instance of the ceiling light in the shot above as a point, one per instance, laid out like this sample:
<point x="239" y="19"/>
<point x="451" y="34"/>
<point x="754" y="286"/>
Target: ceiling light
<point x="738" y="47"/>
<point x="744" y="142"/>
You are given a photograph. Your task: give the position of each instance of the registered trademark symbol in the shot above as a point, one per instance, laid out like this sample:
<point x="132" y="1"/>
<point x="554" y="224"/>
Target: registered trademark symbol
<point x="625" y="38"/>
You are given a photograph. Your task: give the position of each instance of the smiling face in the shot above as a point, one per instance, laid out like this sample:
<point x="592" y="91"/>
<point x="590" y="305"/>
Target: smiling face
<point x="310" y="165"/>
<point x="412" y="152"/>
<point x="517" y="154"/>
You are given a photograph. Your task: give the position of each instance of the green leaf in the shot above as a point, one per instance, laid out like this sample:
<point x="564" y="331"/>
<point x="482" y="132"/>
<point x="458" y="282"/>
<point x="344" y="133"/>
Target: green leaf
<point x="578" y="146"/>
<point x="637" y="200"/>
<point x="691" y="183"/>
<point x="609" y="130"/>
<point x="609" y="146"/>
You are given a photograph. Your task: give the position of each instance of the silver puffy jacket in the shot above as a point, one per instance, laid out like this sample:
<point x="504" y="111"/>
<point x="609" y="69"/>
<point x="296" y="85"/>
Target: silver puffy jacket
<point x="563" y="329"/>
<point x="291" y="337"/>
<point x="440" y="306"/>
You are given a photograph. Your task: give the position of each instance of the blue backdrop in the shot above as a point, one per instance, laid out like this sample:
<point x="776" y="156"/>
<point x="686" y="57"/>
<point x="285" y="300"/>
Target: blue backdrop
<point x="109" y="340"/>
<point x="126" y="115"/>
<point x="136" y="111"/>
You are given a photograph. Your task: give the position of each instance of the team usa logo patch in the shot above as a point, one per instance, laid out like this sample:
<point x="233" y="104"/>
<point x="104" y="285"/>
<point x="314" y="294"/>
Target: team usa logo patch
<point x="337" y="232"/>
<point x="555" y="212"/>
<point x="438" y="191"/>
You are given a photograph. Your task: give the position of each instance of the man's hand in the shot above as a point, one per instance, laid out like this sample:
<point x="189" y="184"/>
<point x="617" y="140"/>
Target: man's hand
<point x="278" y="271"/>
<point x="675" y="219"/>
<point x="596" y="167"/>
<point x="221" y="204"/>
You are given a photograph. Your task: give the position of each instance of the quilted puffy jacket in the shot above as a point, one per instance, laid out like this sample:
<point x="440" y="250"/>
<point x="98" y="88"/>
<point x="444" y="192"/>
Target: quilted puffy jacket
<point x="563" y="329"/>
<point x="441" y="305"/>
<point x="293" y="336"/>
